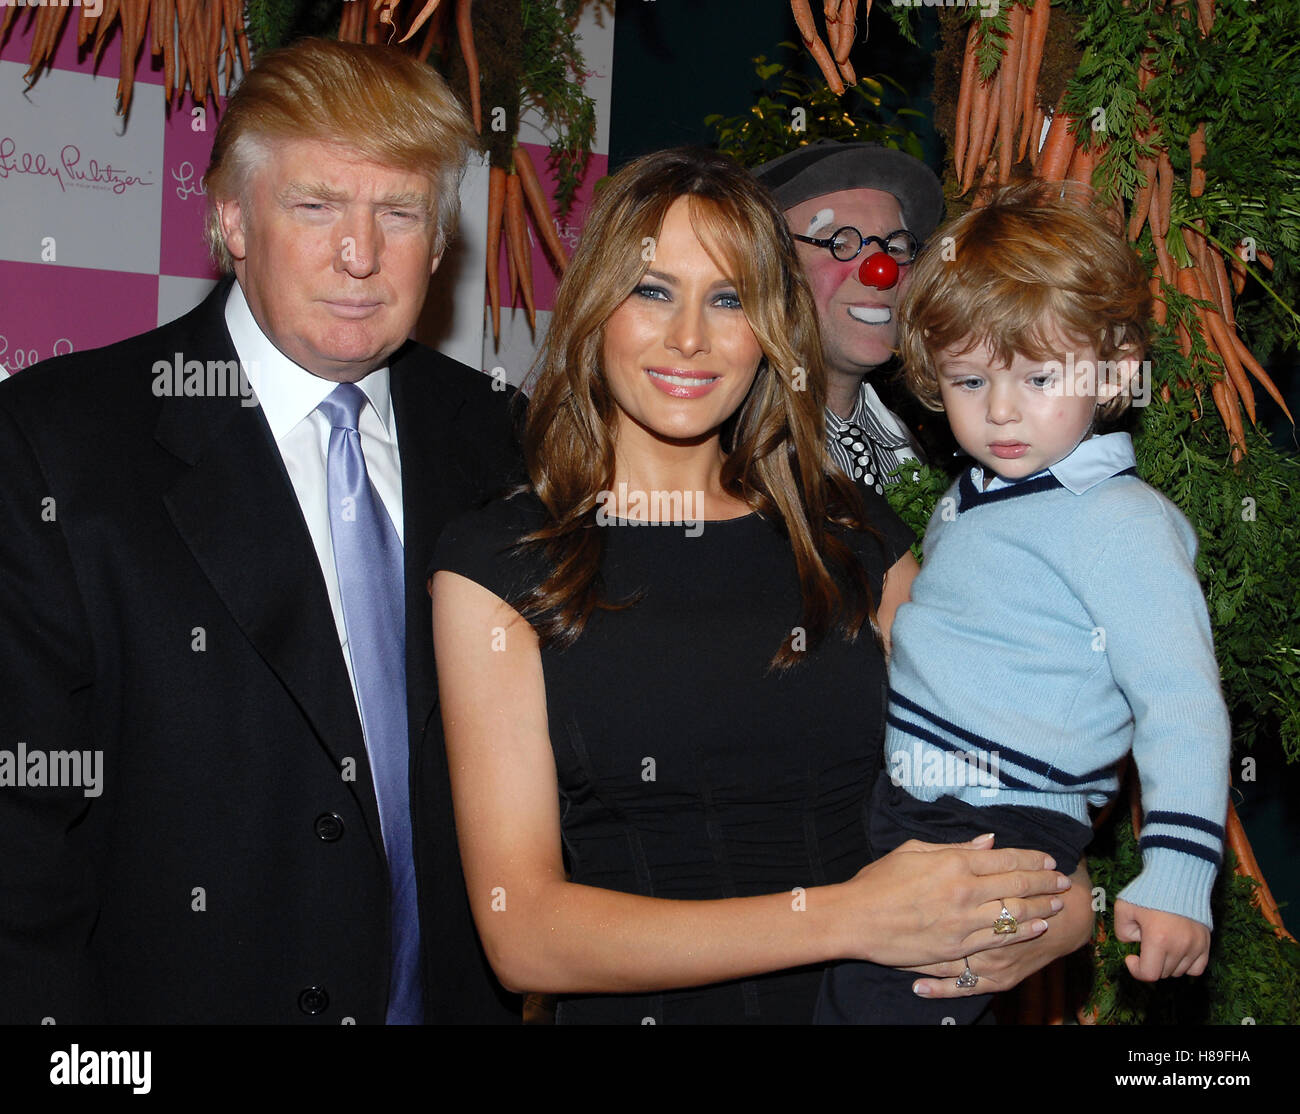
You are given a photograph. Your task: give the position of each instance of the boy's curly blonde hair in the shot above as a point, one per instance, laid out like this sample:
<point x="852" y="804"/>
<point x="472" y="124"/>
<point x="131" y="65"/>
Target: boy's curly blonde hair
<point x="1030" y="265"/>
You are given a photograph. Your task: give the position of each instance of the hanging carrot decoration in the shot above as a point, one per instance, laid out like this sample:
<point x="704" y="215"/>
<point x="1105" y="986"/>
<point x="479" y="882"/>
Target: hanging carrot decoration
<point x="536" y="198"/>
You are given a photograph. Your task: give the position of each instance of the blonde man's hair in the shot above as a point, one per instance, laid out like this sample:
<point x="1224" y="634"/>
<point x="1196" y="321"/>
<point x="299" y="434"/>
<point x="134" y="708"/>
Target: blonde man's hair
<point x="1013" y="276"/>
<point x="387" y="106"/>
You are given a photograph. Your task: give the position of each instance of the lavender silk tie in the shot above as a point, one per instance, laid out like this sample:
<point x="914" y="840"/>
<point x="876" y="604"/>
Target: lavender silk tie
<point x="368" y="556"/>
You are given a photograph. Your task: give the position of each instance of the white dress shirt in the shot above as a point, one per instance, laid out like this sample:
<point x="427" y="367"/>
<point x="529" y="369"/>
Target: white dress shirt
<point x="289" y="395"/>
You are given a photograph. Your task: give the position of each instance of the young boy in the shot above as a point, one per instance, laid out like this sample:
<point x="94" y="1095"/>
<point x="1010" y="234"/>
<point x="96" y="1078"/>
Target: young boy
<point x="1057" y="623"/>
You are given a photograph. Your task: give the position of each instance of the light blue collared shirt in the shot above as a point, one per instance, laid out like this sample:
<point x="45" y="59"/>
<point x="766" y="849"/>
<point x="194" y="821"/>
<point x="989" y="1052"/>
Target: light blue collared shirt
<point x="1094" y="459"/>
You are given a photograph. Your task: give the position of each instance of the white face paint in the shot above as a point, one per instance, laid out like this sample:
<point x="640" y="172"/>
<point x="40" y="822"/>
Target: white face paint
<point x="823" y="218"/>
<point x="858" y="327"/>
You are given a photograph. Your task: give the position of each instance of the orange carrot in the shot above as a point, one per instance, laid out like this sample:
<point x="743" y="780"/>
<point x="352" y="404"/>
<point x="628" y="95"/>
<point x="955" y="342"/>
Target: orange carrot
<point x="1082" y="164"/>
<point x="1159" y="307"/>
<point x="1228" y="354"/>
<point x="1204" y="16"/>
<point x="425" y="12"/>
<point x="517" y="225"/>
<point x="1142" y="199"/>
<point x="133" y="14"/>
<point x="1195" y="242"/>
<point x="1221" y="284"/>
<point x="965" y="95"/>
<point x="1237" y="265"/>
<point x="1264" y="258"/>
<point x="465" y="35"/>
<point x="1163" y="259"/>
<point x="1058" y="148"/>
<point x="1165" y="185"/>
<point x="1225" y="401"/>
<point x="1035" y="41"/>
<point x="996" y="93"/>
<point x="512" y="269"/>
<point x="813" y="41"/>
<point x="845" y="31"/>
<point x="496" y="213"/>
<point x="541" y="208"/>
<point x="979" y="122"/>
<point x="1009" y="107"/>
<point x="1256" y="369"/>
<point x="1196" y="149"/>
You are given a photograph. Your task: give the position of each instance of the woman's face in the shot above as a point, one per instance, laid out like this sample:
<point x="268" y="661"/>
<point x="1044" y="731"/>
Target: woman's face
<point x="679" y="355"/>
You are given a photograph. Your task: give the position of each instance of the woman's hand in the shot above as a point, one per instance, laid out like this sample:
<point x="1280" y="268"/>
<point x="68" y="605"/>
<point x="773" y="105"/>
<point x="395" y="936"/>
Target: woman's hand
<point x="1001" y="969"/>
<point x="916" y="911"/>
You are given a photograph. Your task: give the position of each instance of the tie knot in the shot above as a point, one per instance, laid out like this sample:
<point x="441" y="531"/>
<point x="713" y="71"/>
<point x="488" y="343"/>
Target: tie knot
<point x="343" y="406"/>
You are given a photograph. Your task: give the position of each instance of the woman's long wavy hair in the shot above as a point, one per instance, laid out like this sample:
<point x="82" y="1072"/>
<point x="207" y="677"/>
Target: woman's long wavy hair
<point x="776" y="460"/>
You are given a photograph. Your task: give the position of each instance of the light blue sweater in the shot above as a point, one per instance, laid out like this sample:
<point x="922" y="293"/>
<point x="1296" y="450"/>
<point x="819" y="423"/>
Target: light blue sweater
<point x="1056" y="625"/>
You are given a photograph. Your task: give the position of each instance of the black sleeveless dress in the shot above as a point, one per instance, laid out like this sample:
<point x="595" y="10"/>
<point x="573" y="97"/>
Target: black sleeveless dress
<point x="687" y="770"/>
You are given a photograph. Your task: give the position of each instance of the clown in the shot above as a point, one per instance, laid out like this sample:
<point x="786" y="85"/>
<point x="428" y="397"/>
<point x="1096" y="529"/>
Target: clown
<point x="859" y="212"/>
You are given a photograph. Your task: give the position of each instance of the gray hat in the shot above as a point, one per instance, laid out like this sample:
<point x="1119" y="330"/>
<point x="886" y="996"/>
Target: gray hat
<point x="829" y="166"/>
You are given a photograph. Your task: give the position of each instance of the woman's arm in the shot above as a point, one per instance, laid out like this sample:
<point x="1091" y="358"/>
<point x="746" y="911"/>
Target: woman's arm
<point x="896" y="591"/>
<point x="546" y="934"/>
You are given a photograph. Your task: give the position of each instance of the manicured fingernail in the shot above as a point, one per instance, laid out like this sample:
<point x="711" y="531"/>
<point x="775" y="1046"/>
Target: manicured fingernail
<point x="1062" y="882"/>
<point x="1051" y="863"/>
<point x="921" y="989"/>
<point x="1057" y="905"/>
<point x="1039" y="926"/>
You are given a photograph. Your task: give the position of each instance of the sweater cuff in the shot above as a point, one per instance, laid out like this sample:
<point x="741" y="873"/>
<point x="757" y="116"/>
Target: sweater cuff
<point x="1174" y="882"/>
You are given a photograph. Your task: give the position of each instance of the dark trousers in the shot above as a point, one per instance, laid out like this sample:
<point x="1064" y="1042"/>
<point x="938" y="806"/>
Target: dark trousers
<point x="859" y="993"/>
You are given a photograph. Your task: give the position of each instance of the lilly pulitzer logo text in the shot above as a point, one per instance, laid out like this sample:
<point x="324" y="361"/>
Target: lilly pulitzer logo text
<point x="69" y="170"/>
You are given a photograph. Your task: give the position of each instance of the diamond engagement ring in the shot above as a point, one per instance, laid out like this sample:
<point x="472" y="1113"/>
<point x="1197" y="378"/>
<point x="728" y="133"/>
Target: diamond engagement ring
<point x="1005" y="924"/>
<point x="967" y="978"/>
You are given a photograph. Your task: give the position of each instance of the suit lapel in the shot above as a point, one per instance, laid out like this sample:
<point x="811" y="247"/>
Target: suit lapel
<point x="236" y="511"/>
<point x="424" y="417"/>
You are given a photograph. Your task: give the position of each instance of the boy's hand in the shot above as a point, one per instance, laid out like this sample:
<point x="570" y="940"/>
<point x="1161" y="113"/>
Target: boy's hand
<point x="1171" y="945"/>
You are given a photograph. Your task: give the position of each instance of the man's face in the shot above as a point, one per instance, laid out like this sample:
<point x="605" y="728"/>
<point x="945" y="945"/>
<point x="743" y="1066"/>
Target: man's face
<point x="334" y="255"/>
<point x="858" y="326"/>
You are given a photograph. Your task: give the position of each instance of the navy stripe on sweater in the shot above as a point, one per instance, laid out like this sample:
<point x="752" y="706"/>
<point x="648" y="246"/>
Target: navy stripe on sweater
<point x="1185" y="820"/>
<point x="1184" y="845"/>
<point x="1025" y="761"/>
<point x="919" y="732"/>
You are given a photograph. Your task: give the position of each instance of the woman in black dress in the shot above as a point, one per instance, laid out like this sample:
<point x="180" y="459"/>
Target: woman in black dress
<point x="662" y="665"/>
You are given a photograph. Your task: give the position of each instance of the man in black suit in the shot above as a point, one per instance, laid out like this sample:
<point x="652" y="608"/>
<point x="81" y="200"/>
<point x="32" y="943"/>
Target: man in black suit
<point x="223" y="790"/>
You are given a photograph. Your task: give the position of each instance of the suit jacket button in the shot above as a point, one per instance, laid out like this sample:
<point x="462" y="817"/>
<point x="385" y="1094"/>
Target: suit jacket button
<point x="313" y="1000"/>
<point x="329" y="827"/>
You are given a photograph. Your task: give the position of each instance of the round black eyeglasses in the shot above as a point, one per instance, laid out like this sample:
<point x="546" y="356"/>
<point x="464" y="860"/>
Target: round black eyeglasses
<point x="847" y="243"/>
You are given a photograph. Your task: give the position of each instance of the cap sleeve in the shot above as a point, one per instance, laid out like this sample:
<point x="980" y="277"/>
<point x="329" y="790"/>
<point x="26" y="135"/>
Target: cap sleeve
<point x="480" y="545"/>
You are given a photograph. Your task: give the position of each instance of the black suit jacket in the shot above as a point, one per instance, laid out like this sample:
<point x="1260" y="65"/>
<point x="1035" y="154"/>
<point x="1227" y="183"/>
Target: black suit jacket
<point x="161" y="604"/>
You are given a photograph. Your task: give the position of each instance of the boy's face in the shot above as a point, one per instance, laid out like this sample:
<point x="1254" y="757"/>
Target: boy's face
<point x="1018" y="420"/>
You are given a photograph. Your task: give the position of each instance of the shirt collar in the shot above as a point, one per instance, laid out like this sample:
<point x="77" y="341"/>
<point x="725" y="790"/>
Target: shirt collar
<point x="287" y="392"/>
<point x="1094" y="459"/>
<point x="861" y="411"/>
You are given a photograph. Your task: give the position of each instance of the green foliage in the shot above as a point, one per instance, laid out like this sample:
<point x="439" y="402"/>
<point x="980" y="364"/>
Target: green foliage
<point x="768" y="128"/>
<point x="1248" y="525"/>
<point x="270" y="22"/>
<point x="552" y="76"/>
<point x="914" y="497"/>
<point x="1243" y="81"/>
<point x="1251" y="974"/>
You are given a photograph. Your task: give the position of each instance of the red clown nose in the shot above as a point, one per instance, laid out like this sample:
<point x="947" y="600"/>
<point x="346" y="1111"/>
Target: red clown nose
<point x="879" y="270"/>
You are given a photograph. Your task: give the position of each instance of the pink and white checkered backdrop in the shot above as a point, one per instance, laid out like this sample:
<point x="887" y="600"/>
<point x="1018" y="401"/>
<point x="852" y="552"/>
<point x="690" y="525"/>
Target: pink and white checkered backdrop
<point x="101" y="219"/>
